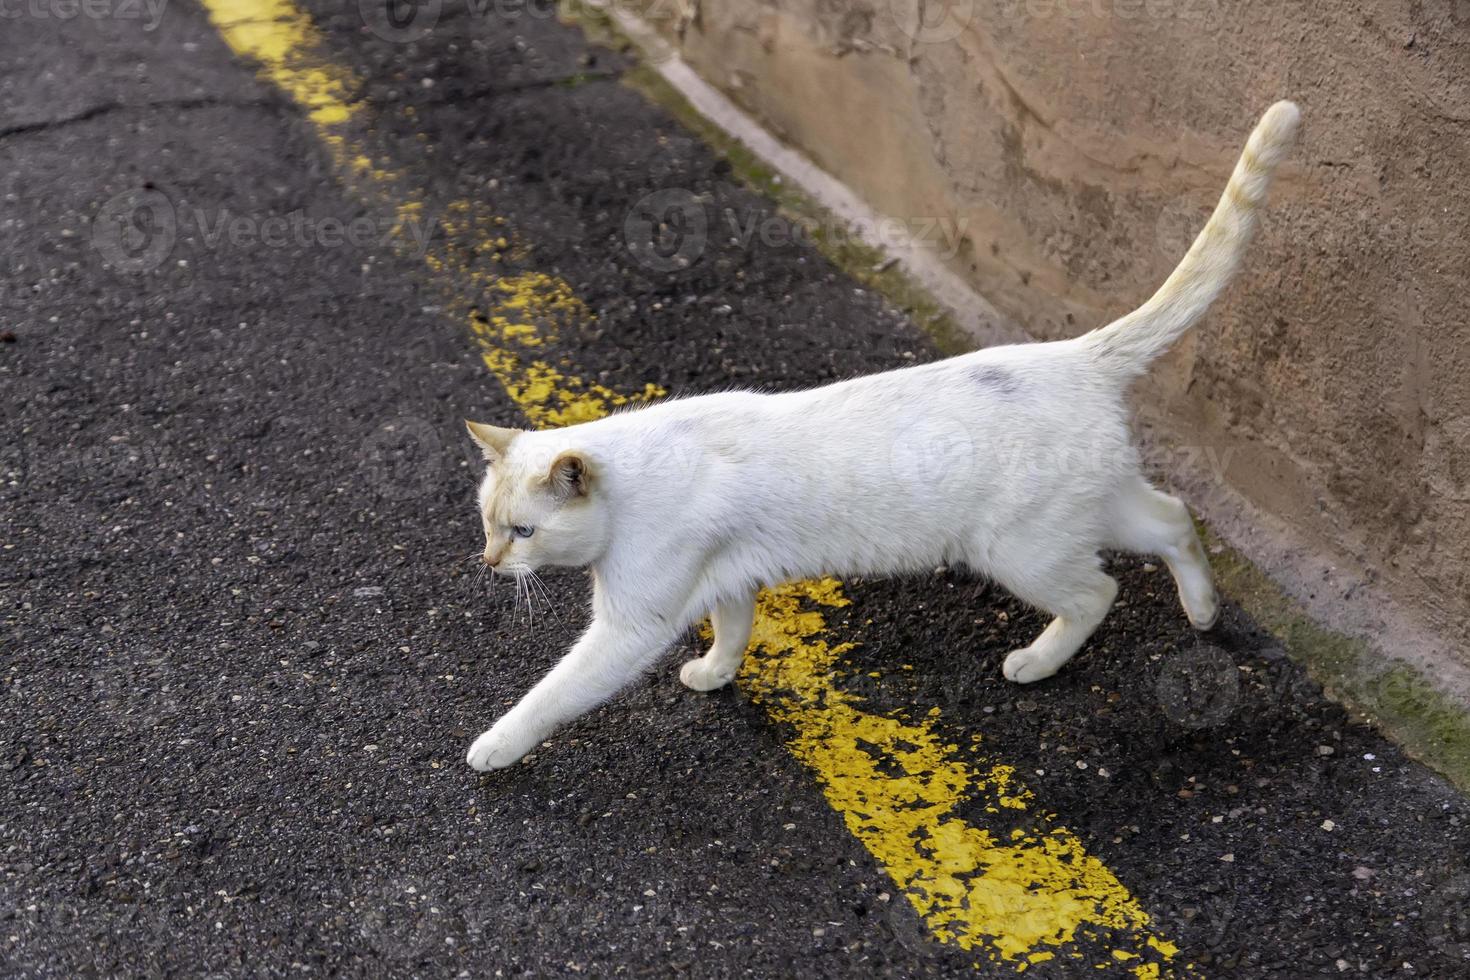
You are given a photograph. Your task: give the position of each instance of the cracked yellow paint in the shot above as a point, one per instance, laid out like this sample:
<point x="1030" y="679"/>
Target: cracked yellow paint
<point x="1014" y="890"/>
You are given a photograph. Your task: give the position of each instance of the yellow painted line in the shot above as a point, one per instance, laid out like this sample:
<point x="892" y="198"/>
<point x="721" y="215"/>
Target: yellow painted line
<point x="1019" y="892"/>
<point x="1021" y="895"/>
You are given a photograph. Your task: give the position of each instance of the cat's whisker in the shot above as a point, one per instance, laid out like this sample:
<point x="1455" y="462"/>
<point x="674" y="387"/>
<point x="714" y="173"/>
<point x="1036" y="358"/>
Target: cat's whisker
<point x="515" y="609"/>
<point x="531" y="594"/>
<point x="530" y="602"/>
<point x="538" y="587"/>
<point x="546" y="594"/>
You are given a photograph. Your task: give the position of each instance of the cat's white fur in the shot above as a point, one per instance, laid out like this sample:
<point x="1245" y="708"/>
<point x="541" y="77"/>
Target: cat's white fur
<point x="1016" y="462"/>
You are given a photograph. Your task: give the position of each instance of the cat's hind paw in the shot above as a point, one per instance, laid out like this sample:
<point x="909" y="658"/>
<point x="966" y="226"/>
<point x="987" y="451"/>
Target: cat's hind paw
<point x="1027" y="666"/>
<point x="1204" y="614"/>
<point x="698" y="675"/>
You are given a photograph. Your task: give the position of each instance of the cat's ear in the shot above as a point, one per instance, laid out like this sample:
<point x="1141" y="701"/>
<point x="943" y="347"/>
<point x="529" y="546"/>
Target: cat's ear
<point x="493" y="440"/>
<point x="569" y="475"/>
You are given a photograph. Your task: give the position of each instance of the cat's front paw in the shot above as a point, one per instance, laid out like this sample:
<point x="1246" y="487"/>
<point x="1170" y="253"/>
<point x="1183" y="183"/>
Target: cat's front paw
<point x="699" y="675"/>
<point x="498" y="748"/>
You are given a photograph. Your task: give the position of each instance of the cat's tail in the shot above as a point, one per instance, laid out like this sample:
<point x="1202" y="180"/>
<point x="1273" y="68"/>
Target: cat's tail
<point x="1127" y="345"/>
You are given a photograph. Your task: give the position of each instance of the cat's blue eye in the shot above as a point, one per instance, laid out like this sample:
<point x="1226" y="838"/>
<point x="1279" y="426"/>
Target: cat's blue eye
<point x="522" y="531"/>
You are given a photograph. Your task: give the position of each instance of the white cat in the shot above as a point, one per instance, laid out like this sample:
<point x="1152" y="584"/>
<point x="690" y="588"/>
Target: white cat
<point x="1016" y="462"/>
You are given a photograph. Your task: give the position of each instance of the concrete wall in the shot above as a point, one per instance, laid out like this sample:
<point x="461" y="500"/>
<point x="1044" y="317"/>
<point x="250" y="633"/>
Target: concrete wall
<point x="1081" y="143"/>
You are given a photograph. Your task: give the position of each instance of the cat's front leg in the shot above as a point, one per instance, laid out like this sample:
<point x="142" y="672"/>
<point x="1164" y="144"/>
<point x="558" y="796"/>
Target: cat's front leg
<point x="731" y="621"/>
<point x="606" y="659"/>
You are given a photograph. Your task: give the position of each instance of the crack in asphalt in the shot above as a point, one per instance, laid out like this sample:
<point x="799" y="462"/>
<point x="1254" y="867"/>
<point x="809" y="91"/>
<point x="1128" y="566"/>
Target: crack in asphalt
<point x="108" y="108"/>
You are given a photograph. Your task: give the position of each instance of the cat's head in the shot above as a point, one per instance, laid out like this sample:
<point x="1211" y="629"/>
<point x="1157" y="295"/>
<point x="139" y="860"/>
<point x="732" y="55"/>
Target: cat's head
<point x="539" y="501"/>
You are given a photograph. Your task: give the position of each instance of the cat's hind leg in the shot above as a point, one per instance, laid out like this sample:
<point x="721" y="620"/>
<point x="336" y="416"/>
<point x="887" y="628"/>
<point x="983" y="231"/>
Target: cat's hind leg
<point x="1151" y="522"/>
<point x="1079" y="594"/>
<point x="731" y="621"/>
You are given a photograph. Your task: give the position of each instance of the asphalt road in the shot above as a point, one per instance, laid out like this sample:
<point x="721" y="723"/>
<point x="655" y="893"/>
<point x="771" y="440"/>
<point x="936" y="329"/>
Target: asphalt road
<point x="243" y="655"/>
